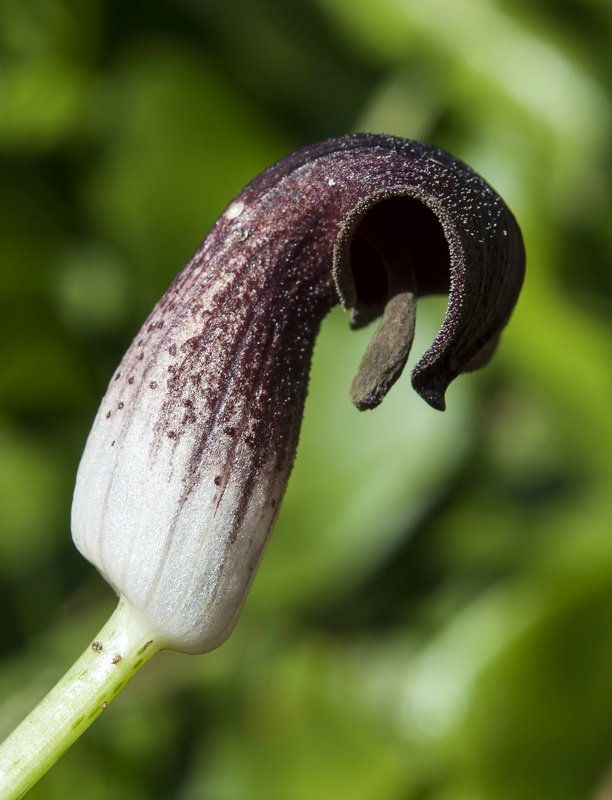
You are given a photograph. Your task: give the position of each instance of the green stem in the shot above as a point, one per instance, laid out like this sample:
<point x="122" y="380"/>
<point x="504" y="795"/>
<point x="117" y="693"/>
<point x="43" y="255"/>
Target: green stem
<point x="123" y="645"/>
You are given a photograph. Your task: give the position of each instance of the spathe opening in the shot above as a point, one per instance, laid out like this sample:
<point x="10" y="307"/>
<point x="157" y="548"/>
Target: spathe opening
<point x="398" y="242"/>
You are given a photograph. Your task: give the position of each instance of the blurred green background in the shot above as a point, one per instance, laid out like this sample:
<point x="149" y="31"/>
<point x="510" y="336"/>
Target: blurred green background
<point x="433" y="618"/>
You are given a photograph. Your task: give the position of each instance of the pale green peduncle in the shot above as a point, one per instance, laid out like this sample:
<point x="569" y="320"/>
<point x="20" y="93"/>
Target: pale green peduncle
<point x="123" y="645"/>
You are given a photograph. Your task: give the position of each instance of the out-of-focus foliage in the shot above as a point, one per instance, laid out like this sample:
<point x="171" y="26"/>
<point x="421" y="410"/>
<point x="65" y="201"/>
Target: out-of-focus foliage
<point x="433" y="619"/>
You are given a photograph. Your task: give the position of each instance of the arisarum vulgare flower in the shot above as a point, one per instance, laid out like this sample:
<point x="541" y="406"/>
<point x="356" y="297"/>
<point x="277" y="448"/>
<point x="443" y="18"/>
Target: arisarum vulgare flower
<point x="189" y="455"/>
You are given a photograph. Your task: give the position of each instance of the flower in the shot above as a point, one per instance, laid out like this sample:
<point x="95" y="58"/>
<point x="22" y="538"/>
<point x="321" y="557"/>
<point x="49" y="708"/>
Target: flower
<point x="189" y="455"/>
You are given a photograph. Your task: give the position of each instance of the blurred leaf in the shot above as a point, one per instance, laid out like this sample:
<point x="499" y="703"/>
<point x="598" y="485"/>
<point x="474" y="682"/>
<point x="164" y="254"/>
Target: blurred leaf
<point x="39" y="102"/>
<point x="303" y="732"/>
<point x="561" y="667"/>
<point x="91" y="289"/>
<point x="178" y="144"/>
<point x="46" y="46"/>
<point x="32" y="498"/>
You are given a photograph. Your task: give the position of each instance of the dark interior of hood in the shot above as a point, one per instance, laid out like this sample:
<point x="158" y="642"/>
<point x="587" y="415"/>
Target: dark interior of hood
<point x="399" y="243"/>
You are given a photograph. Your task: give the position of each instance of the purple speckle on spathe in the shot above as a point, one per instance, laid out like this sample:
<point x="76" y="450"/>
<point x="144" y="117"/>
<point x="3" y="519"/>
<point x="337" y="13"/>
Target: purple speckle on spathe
<point x="120" y="405"/>
<point x="233" y="372"/>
